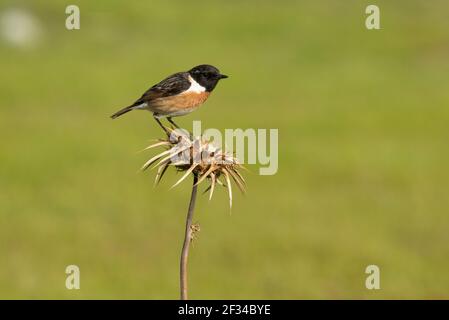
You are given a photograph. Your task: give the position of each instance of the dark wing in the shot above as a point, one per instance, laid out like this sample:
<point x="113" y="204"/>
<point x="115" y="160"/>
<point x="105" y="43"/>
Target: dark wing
<point x="170" y="86"/>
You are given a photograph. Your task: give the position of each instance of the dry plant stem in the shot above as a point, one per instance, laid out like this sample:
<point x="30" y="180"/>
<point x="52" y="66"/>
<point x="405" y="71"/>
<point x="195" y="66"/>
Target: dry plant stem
<point x="187" y="239"/>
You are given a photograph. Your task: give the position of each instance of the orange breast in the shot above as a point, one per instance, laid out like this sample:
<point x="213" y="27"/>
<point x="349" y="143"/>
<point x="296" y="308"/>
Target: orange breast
<point x="179" y="103"/>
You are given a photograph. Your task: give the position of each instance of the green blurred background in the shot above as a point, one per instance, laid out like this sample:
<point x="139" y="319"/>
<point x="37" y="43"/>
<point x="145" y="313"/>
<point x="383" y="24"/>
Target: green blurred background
<point x="363" y="158"/>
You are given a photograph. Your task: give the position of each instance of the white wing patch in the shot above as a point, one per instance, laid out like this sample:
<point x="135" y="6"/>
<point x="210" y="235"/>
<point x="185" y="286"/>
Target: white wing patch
<point x="195" y="86"/>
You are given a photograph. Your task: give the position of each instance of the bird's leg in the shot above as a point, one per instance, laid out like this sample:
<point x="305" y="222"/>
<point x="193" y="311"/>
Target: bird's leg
<point x="161" y="125"/>
<point x="173" y="123"/>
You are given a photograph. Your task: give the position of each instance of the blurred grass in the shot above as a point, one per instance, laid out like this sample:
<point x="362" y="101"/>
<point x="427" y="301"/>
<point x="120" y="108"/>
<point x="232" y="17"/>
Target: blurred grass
<point x="363" y="130"/>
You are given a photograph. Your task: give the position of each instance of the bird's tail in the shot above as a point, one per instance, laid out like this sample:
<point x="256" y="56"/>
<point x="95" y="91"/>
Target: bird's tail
<point x="122" y="111"/>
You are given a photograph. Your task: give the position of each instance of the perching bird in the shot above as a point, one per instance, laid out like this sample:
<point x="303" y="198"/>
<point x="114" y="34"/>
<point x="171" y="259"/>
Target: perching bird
<point x="177" y="95"/>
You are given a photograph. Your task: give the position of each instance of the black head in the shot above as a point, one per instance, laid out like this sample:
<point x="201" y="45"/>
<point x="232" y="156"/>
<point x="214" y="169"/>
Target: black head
<point x="207" y="76"/>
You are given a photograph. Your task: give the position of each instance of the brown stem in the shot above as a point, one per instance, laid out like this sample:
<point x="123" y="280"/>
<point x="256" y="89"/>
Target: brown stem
<point x="187" y="240"/>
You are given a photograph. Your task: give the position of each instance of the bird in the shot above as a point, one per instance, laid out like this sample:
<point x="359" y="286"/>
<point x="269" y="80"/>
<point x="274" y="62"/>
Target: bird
<point x="178" y="94"/>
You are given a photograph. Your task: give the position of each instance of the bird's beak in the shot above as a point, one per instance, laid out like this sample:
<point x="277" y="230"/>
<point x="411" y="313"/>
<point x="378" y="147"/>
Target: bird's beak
<point x="223" y="76"/>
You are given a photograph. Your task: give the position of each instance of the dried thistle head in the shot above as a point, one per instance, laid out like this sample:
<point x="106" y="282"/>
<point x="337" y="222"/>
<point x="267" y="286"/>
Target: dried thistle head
<point x="199" y="157"/>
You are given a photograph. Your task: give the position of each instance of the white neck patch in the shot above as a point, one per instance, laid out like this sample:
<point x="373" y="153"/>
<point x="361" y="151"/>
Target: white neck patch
<point x="195" y="86"/>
